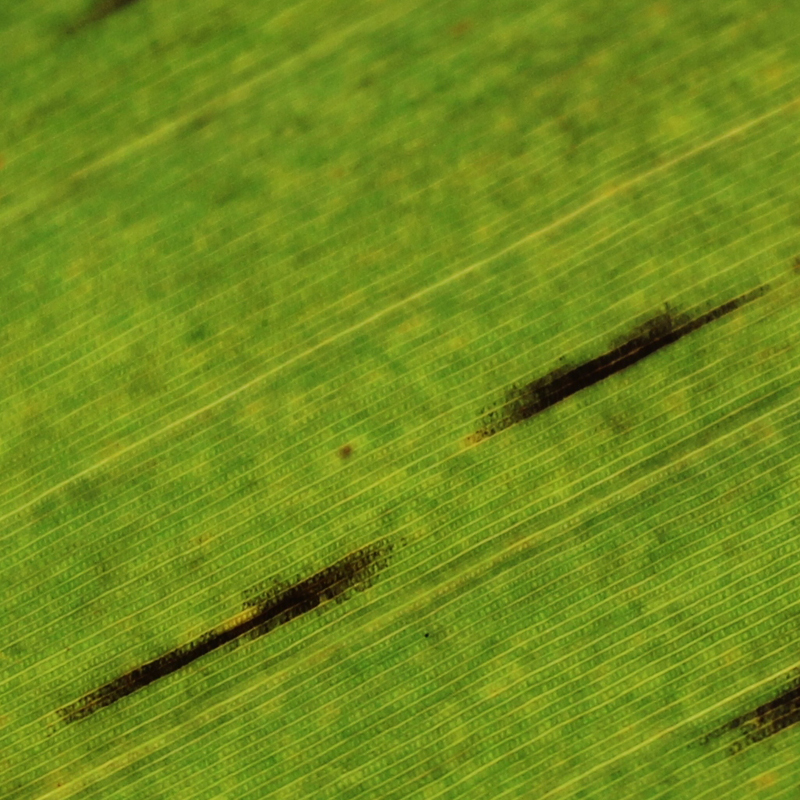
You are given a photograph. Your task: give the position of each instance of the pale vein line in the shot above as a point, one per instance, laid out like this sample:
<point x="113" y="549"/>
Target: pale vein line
<point x="235" y="95"/>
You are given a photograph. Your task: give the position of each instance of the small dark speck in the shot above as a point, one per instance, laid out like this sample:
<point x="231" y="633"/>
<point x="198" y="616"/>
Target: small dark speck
<point x="345" y="451"/>
<point x="427" y="635"/>
<point x="796" y="265"/>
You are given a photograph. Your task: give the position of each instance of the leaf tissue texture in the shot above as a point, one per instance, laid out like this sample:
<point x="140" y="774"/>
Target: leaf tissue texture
<point x="399" y="400"/>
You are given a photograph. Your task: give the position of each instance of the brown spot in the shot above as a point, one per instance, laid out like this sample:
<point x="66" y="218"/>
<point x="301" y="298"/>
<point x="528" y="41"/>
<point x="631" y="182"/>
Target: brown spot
<point x="461" y="28"/>
<point x="345" y="451"/>
<point x="796" y="265"/>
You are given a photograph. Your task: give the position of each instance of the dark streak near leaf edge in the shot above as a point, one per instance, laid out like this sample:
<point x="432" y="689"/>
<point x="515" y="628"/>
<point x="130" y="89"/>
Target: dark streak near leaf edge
<point x="664" y="329"/>
<point x="764" y="721"/>
<point x="274" y="608"/>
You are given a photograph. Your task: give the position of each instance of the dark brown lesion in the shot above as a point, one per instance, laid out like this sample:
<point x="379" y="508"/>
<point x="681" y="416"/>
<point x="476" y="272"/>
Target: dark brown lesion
<point x="665" y="328"/>
<point x="766" y="720"/>
<point x="264" y="611"/>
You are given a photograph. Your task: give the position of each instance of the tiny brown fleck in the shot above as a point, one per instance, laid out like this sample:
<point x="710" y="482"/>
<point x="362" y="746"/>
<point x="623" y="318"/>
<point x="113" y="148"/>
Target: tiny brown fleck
<point x="461" y="28"/>
<point x="345" y="451"/>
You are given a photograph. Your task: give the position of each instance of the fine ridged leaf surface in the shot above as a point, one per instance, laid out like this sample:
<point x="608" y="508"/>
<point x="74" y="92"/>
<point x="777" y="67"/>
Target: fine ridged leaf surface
<point x="399" y="399"/>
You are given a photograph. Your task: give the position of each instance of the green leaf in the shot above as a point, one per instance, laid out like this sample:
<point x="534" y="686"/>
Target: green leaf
<point x="399" y="399"/>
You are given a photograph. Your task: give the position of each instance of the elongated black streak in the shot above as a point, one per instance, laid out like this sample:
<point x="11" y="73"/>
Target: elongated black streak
<point x="665" y="328"/>
<point x="354" y="571"/>
<point x="768" y="719"/>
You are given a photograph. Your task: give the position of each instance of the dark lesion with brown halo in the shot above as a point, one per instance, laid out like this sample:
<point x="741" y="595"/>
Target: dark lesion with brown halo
<point x="265" y="610"/>
<point x="665" y="328"/>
